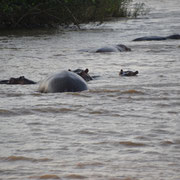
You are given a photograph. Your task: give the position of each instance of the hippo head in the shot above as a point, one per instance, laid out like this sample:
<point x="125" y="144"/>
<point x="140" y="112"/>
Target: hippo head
<point x="128" y="73"/>
<point x="16" y="80"/>
<point x="83" y="73"/>
<point x="20" y="80"/>
<point x="174" y="36"/>
<point x="122" y="47"/>
<point x="136" y="72"/>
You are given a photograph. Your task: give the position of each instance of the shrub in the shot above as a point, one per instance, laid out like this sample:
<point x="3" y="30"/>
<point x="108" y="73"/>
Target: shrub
<point x="33" y="13"/>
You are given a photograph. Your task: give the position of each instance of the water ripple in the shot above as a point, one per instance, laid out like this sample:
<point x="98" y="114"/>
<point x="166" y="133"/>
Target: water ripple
<point x="23" y="158"/>
<point x="47" y="176"/>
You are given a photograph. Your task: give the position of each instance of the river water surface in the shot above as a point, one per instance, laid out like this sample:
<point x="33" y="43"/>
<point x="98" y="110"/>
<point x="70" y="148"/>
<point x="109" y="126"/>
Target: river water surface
<point x="122" y="128"/>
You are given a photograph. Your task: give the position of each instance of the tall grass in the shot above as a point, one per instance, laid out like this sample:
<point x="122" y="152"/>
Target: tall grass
<point x="42" y="13"/>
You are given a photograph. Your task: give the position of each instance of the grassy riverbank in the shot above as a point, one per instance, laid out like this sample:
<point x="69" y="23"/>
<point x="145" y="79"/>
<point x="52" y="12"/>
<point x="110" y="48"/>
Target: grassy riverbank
<point x="50" y="13"/>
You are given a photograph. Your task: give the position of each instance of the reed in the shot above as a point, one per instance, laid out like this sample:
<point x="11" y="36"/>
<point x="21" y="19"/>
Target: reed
<point x="50" y="13"/>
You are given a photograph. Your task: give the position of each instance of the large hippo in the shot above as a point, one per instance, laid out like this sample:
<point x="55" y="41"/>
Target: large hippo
<point x="65" y="81"/>
<point x="20" y="80"/>
<point x="157" y="38"/>
<point x="107" y="49"/>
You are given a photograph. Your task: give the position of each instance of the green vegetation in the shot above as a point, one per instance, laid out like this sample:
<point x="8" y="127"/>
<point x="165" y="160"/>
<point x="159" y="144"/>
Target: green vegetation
<point x="42" y="13"/>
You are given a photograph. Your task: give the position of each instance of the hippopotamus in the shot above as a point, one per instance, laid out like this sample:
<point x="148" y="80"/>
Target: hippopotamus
<point x="83" y="73"/>
<point x="157" y="38"/>
<point x="116" y="48"/>
<point x="107" y="49"/>
<point x="128" y="73"/>
<point x="174" y="36"/>
<point x="20" y="80"/>
<point x="65" y="81"/>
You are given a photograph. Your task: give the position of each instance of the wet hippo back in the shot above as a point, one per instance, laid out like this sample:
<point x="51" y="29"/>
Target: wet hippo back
<point x="115" y="48"/>
<point x="107" y="49"/>
<point x="4" y="81"/>
<point x="150" y="38"/>
<point x="64" y="81"/>
<point x="157" y="38"/>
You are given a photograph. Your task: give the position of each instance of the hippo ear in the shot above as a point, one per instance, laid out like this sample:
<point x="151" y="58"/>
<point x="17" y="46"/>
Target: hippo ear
<point x="21" y="77"/>
<point x="86" y="70"/>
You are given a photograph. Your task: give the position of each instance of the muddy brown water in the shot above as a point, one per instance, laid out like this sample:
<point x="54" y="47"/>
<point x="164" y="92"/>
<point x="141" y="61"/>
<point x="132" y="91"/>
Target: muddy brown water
<point x="121" y="128"/>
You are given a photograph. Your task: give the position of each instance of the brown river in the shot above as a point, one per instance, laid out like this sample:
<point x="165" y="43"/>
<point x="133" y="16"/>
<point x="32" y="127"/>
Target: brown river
<point x="122" y="128"/>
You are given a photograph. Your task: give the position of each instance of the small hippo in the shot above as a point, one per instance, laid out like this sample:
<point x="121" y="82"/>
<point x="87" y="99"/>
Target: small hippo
<point x="157" y="38"/>
<point x="83" y="73"/>
<point x="20" y="80"/>
<point x="128" y="73"/>
<point x="65" y="81"/>
<point x="116" y="48"/>
<point x="107" y="49"/>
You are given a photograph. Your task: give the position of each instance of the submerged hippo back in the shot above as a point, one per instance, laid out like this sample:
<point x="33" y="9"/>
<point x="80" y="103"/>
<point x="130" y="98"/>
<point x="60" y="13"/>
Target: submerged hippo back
<point x="114" y="48"/>
<point x="150" y="38"/>
<point x="65" y="81"/>
<point x="107" y="49"/>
